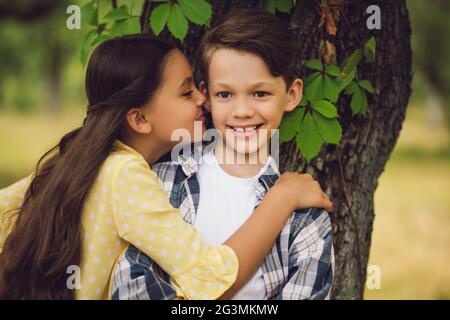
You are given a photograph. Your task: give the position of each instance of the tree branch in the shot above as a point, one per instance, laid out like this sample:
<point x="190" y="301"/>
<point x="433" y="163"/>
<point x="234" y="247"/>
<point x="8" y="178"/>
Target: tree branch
<point x="145" y="16"/>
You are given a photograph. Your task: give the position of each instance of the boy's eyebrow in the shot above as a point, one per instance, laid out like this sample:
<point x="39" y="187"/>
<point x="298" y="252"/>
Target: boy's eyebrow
<point x="220" y="84"/>
<point x="253" y="85"/>
<point x="262" y="83"/>
<point x="186" y="81"/>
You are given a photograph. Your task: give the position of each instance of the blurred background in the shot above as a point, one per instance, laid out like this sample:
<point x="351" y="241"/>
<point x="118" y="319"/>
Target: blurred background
<point x="42" y="97"/>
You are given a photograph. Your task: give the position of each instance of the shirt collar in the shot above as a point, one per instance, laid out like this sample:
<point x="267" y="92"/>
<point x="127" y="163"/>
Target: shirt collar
<point x="267" y="179"/>
<point x="189" y="163"/>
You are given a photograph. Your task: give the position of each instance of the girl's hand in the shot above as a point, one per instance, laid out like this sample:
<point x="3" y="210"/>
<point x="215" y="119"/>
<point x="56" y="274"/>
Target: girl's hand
<point x="302" y="191"/>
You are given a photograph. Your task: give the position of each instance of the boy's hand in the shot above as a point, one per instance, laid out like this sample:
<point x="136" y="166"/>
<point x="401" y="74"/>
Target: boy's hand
<point x="302" y="191"/>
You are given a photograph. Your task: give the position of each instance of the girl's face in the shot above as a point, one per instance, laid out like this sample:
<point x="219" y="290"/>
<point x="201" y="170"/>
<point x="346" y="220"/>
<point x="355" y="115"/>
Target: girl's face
<point x="177" y="103"/>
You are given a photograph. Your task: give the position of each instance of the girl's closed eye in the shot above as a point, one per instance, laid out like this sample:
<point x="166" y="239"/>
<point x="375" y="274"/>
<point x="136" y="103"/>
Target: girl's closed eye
<point x="188" y="93"/>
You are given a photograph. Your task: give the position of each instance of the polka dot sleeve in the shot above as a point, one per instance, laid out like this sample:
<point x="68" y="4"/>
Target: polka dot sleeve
<point x="145" y="218"/>
<point x="11" y="199"/>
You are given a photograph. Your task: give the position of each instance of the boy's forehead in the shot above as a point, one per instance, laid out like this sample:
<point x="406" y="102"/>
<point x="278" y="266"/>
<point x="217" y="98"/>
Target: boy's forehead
<point x="230" y="67"/>
<point x="235" y="65"/>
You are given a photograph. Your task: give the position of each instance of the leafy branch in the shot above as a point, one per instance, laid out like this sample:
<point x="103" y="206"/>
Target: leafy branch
<point x="118" y="21"/>
<point x="328" y="82"/>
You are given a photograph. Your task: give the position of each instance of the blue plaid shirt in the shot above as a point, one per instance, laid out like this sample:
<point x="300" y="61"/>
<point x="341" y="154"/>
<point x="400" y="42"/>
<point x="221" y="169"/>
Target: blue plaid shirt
<point x="300" y="264"/>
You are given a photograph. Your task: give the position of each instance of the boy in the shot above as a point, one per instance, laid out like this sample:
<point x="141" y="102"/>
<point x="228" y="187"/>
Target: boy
<point x="246" y="63"/>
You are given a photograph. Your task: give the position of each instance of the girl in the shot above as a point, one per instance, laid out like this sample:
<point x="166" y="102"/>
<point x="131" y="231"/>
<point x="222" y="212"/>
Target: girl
<point x="94" y="192"/>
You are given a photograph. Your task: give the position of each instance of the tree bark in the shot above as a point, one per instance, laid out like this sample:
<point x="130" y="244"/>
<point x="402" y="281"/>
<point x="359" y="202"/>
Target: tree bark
<point x="368" y="139"/>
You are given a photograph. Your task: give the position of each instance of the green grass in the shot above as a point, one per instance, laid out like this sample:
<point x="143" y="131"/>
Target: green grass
<point x="24" y="138"/>
<point x="411" y="236"/>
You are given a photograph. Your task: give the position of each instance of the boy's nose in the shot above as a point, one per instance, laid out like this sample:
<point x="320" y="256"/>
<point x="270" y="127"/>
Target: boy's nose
<point x="242" y="110"/>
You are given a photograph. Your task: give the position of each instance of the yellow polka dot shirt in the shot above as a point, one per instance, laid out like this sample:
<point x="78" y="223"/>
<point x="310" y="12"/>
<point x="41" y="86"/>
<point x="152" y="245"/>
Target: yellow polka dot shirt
<point x="127" y="205"/>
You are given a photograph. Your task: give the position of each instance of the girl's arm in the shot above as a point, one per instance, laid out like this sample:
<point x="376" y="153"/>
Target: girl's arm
<point x="253" y="240"/>
<point x="145" y="218"/>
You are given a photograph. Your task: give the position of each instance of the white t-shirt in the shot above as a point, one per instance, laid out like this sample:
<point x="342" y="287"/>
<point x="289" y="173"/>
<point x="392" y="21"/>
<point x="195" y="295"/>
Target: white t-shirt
<point x="225" y="204"/>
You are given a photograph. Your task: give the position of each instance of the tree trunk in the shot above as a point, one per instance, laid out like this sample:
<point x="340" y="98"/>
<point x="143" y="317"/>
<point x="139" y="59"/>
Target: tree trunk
<point x="349" y="173"/>
<point x="367" y="139"/>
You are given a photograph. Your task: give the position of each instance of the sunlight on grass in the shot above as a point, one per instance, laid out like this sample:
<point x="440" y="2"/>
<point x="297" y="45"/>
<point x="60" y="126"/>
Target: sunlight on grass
<point x="411" y="236"/>
<point x="24" y="138"/>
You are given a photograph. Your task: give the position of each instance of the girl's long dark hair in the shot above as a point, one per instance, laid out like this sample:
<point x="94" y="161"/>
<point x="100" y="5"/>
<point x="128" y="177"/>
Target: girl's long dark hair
<point x="47" y="237"/>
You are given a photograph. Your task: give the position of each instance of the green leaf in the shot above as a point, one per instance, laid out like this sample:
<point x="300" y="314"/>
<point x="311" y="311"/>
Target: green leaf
<point x="351" y="88"/>
<point x="119" y="28"/>
<point x="314" y="91"/>
<point x="101" y="27"/>
<point x="284" y="5"/>
<point x="304" y="101"/>
<point x="329" y="129"/>
<point x="89" y="14"/>
<point x="314" y="64"/>
<point x="326" y="108"/>
<point x="333" y="70"/>
<point x="116" y="14"/>
<point x="290" y="124"/>
<point x="133" y="26"/>
<point x="366" y="85"/>
<point x="269" y="5"/>
<point x="158" y="18"/>
<point x="310" y="78"/>
<point x="370" y="48"/>
<point x="86" y="46"/>
<point x="351" y="62"/>
<point x="359" y="101"/>
<point x="347" y="79"/>
<point x="197" y="11"/>
<point x="135" y="7"/>
<point x="101" y="38"/>
<point x="331" y="89"/>
<point x="177" y="22"/>
<point x="309" y="139"/>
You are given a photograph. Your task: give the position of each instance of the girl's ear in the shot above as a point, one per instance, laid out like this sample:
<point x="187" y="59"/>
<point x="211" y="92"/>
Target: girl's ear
<point x="295" y="94"/>
<point x="204" y="90"/>
<point x="138" y="120"/>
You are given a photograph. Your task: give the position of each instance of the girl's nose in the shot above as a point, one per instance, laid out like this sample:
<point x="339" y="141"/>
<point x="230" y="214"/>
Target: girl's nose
<point x="199" y="98"/>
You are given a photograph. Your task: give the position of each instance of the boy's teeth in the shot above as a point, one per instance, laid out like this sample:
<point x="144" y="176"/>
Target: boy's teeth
<point x="247" y="129"/>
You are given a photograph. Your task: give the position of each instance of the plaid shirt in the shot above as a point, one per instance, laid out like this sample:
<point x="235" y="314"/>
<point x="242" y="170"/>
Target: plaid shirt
<point x="300" y="264"/>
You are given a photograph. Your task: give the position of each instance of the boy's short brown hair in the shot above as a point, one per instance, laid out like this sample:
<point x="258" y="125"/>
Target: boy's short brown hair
<point x="254" y="31"/>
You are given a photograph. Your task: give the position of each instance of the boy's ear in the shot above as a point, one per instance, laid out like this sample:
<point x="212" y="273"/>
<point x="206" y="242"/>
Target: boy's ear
<point x="204" y="90"/>
<point x="295" y="94"/>
<point x="139" y="121"/>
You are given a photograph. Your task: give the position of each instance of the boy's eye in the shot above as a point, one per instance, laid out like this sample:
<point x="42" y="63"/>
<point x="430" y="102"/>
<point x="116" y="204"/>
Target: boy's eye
<point x="261" y="94"/>
<point x="224" y="95"/>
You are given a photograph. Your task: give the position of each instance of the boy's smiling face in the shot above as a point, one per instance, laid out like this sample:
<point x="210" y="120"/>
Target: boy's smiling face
<point x="247" y="102"/>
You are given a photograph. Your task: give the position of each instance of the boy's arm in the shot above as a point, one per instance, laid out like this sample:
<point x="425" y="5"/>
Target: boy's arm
<point x="311" y="257"/>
